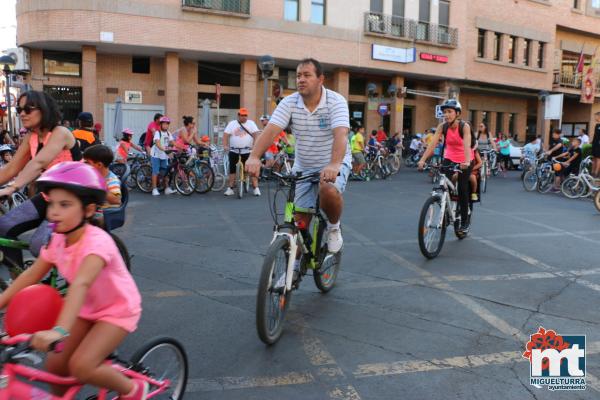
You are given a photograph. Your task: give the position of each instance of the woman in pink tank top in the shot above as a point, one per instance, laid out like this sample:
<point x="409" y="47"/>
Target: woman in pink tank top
<point x="45" y="144"/>
<point x="457" y="150"/>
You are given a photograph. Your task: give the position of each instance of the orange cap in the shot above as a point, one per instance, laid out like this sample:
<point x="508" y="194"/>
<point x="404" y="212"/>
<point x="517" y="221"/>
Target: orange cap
<point x="205" y="138"/>
<point x="243" y="111"/>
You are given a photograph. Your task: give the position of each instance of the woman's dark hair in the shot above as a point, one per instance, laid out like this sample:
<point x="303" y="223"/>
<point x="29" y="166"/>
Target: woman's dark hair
<point x="51" y="116"/>
<point x="373" y="132"/>
<point x="187" y="120"/>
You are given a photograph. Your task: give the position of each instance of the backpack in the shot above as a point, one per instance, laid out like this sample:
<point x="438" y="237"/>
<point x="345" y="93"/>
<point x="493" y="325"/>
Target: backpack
<point x="142" y="140"/>
<point x="461" y="127"/>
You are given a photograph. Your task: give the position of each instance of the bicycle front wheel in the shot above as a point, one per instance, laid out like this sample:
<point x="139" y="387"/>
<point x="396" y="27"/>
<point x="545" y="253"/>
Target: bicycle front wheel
<point x="143" y="178"/>
<point x="483" y="178"/>
<point x="328" y="267"/>
<point x="530" y="180"/>
<point x="219" y="182"/>
<point x="205" y="178"/>
<point x="240" y="181"/>
<point x="573" y="187"/>
<point x="546" y="181"/>
<point x="131" y="179"/>
<point x="163" y="359"/>
<point x="185" y="181"/>
<point x="271" y="302"/>
<point x="432" y="228"/>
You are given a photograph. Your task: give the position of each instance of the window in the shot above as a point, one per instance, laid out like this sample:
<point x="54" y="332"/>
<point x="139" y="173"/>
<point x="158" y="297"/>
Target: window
<point x="512" y="42"/>
<point x="317" y="12"/>
<point x="500" y="123"/>
<point x="398" y="8"/>
<point x="596" y="4"/>
<point x="358" y="86"/>
<point x="376" y="6"/>
<point x="497" y="45"/>
<point x="69" y="99"/>
<point x="444" y="14"/>
<point x="424" y="10"/>
<point x="540" y="56"/>
<point x="291" y="10"/>
<point x="471" y="117"/>
<point x="140" y="65"/>
<point x="225" y="74"/>
<point x="526" y="51"/>
<point x="62" y="63"/>
<point x="480" y="43"/>
<point x="287" y="78"/>
<point x="511" y="124"/>
<point x="576" y="4"/>
<point x="485" y="118"/>
<point x="228" y="101"/>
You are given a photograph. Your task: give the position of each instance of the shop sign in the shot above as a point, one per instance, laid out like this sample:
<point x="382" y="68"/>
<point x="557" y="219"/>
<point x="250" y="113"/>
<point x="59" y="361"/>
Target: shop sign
<point x="357" y="114"/>
<point x="439" y="114"/>
<point x="394" y="54"/>
<point x="433" y="57"/>
<point x="133" y="96"/>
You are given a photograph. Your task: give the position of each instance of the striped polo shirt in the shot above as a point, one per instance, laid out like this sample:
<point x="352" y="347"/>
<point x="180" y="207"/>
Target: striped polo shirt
<point x="314" y="130"/>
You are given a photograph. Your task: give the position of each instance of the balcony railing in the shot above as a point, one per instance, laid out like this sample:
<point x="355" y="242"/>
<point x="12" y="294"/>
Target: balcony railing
<point x="403" y="28"/>
<point x="571" y="81"/>
<point x="227" y="6"/>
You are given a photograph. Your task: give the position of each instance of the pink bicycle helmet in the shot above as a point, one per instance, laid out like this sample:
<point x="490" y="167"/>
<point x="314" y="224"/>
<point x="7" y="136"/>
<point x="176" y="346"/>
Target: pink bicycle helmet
<point x="127" y="131"/>
<point x="77" y="177"/>
<point x="164" y="119"/>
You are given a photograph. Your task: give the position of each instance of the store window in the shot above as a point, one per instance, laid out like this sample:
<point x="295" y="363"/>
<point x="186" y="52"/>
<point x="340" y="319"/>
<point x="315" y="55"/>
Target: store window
<point x="317" y="12"/>
<point x="140" y="65"/>
<point x="444" y="13"/>
<point x="480" y="43"/>
<point x="376" y="6"/>
<point x="69" y="100"/>
<point x="62" y="63"/>
<point x="291" y="10"/>
<point x="224" y="74"/>
<point x="526" y="51"/>
<point x="512" y="42"/>
<point x="497" y="45"/>
<point x="398" y="8"/>
<point x="228" y="101"/>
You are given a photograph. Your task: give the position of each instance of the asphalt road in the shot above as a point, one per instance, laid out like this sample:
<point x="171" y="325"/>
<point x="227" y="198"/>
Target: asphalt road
<point x="396" y="325"/>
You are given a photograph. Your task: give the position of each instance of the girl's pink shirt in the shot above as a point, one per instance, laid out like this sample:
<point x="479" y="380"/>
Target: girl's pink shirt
<point x="454" y="150"/>
<point x="113" y="297"/>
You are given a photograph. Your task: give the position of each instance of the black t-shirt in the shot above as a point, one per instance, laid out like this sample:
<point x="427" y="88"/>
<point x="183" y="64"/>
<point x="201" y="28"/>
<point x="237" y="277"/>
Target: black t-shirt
<point x="577" y="161"/>
<point x="554" y="143"/>
<point x="596" y="141"/>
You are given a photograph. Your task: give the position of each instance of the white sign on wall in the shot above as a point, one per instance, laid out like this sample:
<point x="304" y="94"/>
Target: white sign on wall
<point x="133" y="96"/>
<point x="554" y="106"/>
<point x="394" y="54"/>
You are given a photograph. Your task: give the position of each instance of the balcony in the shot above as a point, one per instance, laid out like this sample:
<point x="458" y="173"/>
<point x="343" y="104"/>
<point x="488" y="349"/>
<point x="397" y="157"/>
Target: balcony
<point x="571" y="81"/>
<point x="407" y="29"/>
<point x="230" y="7"/>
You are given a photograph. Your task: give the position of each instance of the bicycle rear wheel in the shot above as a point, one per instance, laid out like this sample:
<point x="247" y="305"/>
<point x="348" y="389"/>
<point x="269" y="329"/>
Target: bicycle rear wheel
<point x="162" y="359"/>
<point x="219" y="182"/>
<point x="597" y="200"/>
<point x="530" y="180"/>
<point x="131" y="179"/>
<point x="143" y="178"/>
<point x="545" y="183"/>
<point x="272" y="304"/>
<point x="432" y="228"/>
<point x="573" y="187"/>
<point x="205" y="178"/>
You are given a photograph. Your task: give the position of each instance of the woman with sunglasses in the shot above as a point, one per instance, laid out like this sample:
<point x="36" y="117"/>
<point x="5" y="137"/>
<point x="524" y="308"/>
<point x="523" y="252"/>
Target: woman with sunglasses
<point x="45" y="144"/>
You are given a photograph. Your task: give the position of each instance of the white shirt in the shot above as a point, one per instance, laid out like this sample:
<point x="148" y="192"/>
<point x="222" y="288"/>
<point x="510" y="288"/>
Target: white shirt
<point x="238" y="137"/>
<point x="165" y="138"/>
<point x="314" y="130"/>
<point x="584" y="139"/>
<point x="415" y="144"/>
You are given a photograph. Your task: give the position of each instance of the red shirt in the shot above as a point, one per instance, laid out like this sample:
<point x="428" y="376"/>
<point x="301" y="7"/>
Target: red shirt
<point x="152" y="127"/>
<point x="381" y="136"/>
<point x="273" y="149"/>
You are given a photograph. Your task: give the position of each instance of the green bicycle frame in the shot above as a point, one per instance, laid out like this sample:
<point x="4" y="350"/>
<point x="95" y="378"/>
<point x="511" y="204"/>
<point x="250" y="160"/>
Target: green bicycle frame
<point x="290" y="209"/>
<point x="14" y="244"/>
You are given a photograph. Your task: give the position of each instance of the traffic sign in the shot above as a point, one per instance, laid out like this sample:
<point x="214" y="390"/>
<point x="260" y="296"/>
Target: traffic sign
<point x="383" y="109"/>
<point x="439" y="114"/>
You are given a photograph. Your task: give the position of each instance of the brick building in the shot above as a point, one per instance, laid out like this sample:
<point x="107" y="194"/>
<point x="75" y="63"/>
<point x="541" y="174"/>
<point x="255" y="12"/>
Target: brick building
<point x="167" y="55"/>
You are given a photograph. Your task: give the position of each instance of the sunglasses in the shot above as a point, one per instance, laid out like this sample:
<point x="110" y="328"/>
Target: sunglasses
<point x="28" y="109"/>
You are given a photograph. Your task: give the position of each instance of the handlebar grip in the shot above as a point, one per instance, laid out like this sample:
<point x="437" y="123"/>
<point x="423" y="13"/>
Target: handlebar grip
<point x="57" y="346"/>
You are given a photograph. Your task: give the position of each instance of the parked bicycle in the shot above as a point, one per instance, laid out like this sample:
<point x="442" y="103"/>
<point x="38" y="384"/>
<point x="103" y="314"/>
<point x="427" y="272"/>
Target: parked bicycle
<point x="205" y="177"/>
<point x="181" y="176"/>
<point x="288" y="241"/>
<point x="162" y="362"/>
<point x="581" y="185"/>
<point x="440" y="210"/>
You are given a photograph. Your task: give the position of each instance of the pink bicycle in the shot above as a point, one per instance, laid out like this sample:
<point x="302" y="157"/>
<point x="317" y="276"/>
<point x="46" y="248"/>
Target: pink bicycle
<point x="162" y="362"/>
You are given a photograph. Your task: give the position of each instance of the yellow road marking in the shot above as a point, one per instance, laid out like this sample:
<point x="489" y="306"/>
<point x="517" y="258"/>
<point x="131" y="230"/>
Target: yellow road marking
<point x="231" y="383"/>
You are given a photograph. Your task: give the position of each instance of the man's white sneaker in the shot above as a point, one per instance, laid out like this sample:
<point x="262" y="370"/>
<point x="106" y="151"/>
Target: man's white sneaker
<point x="334" y="240"/>
<point x="170" y="191"/>
<point x="155" y="192"/>
<point x="229" y="192"/>
<point x="256" y="191"/>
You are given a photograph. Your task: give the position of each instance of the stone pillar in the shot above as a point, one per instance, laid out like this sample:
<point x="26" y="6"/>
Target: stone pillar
<point x="533" y="51"/>
<point x="488" y="50"/>
<point x="249" y="80"/>
<point x="37" y="69"/>
<point x="477" y="119"/>
<point x="519" y="48"/>
<point x="341" y="82"/>
<point x="172" y="85"/>
<point x="89" y="81"/>
<point x="506" y="123"/>
<point x="504" y="47"/>
<point x="520" y="126"/>
<point x="492" y="116"/>
<point x="397" y="111"/>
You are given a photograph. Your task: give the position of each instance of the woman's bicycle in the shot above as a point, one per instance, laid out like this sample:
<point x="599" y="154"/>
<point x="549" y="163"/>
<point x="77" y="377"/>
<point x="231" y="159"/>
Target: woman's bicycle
<point x="277" y="278"/>
<point x="162" y="362"/>
<point x="440" y="210"/>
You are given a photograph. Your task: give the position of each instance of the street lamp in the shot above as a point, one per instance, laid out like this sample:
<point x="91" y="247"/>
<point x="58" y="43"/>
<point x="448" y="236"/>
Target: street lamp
<point x="542" y="96"/>
<point x="8" y="62"/>
<point x="266" y="64"/>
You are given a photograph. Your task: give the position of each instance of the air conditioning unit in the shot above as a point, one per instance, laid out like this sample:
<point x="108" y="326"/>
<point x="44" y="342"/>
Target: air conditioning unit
<point x="21" y="57"/>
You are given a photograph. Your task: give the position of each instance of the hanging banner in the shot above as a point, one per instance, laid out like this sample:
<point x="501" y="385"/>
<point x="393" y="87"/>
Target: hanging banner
<point x="588" y="83"/>
<point x="554" y="106"/>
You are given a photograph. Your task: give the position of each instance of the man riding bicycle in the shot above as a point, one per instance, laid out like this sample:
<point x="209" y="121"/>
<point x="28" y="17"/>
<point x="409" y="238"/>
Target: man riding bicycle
<point x="457" y="149"/>
<point x="320" y="124"/>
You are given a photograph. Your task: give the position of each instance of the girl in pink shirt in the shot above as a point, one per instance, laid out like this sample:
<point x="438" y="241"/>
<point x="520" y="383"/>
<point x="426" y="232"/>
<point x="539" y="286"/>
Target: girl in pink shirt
<point x="103" y="304"/>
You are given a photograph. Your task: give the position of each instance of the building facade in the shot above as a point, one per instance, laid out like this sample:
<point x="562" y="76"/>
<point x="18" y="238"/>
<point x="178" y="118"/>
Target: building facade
<point x="171" y="55"/>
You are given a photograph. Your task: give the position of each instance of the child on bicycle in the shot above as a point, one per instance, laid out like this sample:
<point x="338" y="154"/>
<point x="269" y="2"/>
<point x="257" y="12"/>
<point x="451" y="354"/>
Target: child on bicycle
<point x="103" y="304"/>
<point x="125" y="145"/>
<point x="100" y="157"/>
<point x="474" y="178"/>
